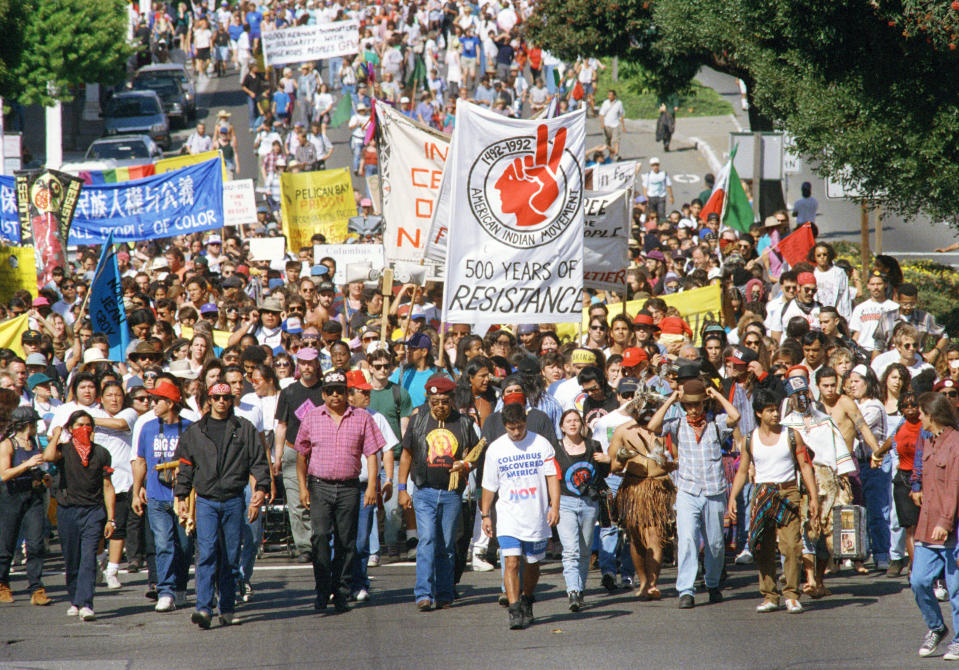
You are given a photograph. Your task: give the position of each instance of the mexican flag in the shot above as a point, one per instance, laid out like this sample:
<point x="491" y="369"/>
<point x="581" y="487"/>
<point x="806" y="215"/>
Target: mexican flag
<point x="729" y="199"/>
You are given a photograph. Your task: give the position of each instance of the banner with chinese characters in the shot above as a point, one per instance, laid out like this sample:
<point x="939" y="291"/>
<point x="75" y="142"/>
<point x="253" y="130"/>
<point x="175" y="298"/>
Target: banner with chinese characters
<point x="186" y="200"/>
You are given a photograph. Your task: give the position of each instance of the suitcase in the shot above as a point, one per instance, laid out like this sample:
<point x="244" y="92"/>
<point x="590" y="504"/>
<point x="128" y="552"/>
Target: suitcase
<point x="849" y="537"/>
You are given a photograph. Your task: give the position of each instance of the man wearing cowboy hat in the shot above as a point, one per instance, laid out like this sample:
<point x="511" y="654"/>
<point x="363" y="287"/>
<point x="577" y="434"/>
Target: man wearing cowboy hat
<point x="435" y="443"/>
<point x="701" y="483"/>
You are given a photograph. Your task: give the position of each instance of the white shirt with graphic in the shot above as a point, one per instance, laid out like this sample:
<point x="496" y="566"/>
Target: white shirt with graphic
<point x="518" y="471"/>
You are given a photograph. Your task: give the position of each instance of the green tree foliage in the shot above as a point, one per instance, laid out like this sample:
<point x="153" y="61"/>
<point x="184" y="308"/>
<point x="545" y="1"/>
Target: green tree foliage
<point x="12" y="21"/>
<point x="67" y="43"/>
<point x="868" y="85"/>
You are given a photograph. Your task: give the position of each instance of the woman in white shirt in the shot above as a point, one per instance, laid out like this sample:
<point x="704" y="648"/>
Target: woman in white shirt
<point x="202" y="41"/>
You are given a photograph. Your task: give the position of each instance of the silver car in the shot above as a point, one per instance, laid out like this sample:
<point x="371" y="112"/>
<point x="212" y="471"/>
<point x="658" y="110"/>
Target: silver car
<point x="137" y="112"/>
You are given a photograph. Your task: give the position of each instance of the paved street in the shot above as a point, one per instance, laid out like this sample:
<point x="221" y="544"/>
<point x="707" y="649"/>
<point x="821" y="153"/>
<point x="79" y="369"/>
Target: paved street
<point x="869" y="622"/>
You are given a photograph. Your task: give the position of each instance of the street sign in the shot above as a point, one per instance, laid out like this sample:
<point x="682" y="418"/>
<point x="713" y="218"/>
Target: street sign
<point x="771" y="156"/>
<point x="792" y="163"/>
<point x="841" y="186"/>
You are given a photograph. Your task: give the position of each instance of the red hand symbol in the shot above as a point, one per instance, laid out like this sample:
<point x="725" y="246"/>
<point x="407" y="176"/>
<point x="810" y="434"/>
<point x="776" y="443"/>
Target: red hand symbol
<point x="528" y="186"/>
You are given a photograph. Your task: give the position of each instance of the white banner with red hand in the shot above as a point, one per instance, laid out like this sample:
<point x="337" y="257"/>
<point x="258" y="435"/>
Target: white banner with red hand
<point x="515" y="240"/>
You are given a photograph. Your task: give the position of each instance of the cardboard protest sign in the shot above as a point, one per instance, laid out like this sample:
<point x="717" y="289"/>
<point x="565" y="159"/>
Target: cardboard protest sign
<point x="239" y="202"/>
<point x="606" y="240"/>
<point x="515" y="250"/>
<point x="316" y="202"/>
<point x="313" y="42"/>
<point x="345" y="254"/>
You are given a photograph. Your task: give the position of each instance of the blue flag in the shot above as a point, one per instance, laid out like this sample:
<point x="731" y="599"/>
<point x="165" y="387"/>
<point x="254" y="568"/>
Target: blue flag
<point x="107" y="314"/>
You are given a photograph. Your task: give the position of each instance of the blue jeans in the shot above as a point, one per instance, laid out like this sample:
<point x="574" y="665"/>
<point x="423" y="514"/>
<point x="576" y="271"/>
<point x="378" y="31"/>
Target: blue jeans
<point x="251" y="108"/>
<point x="609" y="542"/>
<point x="335" y="64"/>
<point x="877" y="492"/>
<point x="22" y="514"/>
<point x="699" y="516"/>
<point x="81" y="528"/>
<point x="928" y="563"/>
<point x="356" y="146"/>
<point x="174" y="548"/>
<point x="436" y="515"/>
<point x="367" y="519"/>
<point x="897" y="534"/>
<point x="577" y="516"/>
<point x="744" y="502"/>
<point x="219" y="525"/>
<point x="251" y="535"/>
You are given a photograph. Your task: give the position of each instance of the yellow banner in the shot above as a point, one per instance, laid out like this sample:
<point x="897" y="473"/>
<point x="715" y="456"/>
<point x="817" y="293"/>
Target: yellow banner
<point x="176" y="162"/>
<point x="13" y="329"/>
<point x="316" y="202"/>
<point x="18" y="270"/>
<point x="696" y="306"/>
<point x="221" y="338"/>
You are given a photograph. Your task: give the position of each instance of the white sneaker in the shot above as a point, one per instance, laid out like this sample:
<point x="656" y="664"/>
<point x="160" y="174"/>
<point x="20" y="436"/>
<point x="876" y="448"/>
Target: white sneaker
<point x="165" y="604"/>
<point x="113" y="582"/>
<point x="373" y="561"/>
<point x="73" y="610"/>
<point x="793" y="606"/>
<point x="179" y="598"/>
<point x="942" y="595"/>
<point x="87" y="614"/>
<point x="480" y="564"/>
<point x="745" y="557"/>
<point x="362" y="596"/>
<point x="767" y="606"/>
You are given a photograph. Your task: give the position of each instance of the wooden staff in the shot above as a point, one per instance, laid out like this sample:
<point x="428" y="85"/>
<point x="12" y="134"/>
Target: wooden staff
<point x="471" y="457"/>
<point x="442" y="341"/>
<point x="387" y="292"/>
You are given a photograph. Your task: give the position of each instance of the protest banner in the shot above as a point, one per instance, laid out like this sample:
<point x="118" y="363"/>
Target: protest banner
<point x="316" y="202"/>
<point x="107" y="312"/>
<point x="17" y="271"/>
<point x="346" y="254"/>
<point x="186" y="200"/>
<point x="606" y="240"/>
<point x="412" y="158"/>
<point x="515" y="251"/>
<point x="696" y="306"/>
<point x="307" y="43"/>
<point x="185" y="160"/>
<point x="9" y="218"/>
<point x="46" y="201"/>
<point x="436" y="239"/>
<point x="612" y="176"/>
<point x="267" y="248"/>
<point x="239" y="202"/>
<point x="12" y="330"/>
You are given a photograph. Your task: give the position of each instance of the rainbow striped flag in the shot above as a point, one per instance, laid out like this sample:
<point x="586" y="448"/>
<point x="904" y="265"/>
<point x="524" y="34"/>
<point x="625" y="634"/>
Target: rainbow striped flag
<point x="100" y="177"/>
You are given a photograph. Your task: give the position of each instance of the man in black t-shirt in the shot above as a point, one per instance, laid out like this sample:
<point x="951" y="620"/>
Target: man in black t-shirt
<point x="295" y="401"/>
<point x="435" y="444"/>
<point x="256" y="88"/>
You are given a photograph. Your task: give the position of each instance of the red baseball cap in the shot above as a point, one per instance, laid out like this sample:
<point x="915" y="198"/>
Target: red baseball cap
<point x="356" y="380"/>
<point x="166" y="389"/>
<point x="645" y="319"/>
<point x="633" y="356"/>
<point x="944" y="384"/>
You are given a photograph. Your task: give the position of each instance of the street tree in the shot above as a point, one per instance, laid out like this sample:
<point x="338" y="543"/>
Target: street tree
<point x="863" y="86"/>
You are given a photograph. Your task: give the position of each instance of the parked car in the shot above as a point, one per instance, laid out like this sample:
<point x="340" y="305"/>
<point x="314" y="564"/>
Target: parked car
<point x="126" y="150"/>
<point x="171" y="97"/>
<point x="177" y="72"/>
<point x="137" y="112"/>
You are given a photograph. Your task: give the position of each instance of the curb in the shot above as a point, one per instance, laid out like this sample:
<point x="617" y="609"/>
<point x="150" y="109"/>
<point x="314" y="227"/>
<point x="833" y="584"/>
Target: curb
<point x="708" y="153"/>
<point x="703" y="147"/>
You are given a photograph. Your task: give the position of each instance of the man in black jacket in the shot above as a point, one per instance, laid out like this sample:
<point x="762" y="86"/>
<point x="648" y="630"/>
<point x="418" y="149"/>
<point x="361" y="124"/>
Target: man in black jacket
<point x="217" y="455"/>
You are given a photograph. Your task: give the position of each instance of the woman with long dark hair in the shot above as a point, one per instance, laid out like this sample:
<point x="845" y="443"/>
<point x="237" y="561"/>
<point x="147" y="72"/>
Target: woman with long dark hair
<point x="474" y="395"/>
